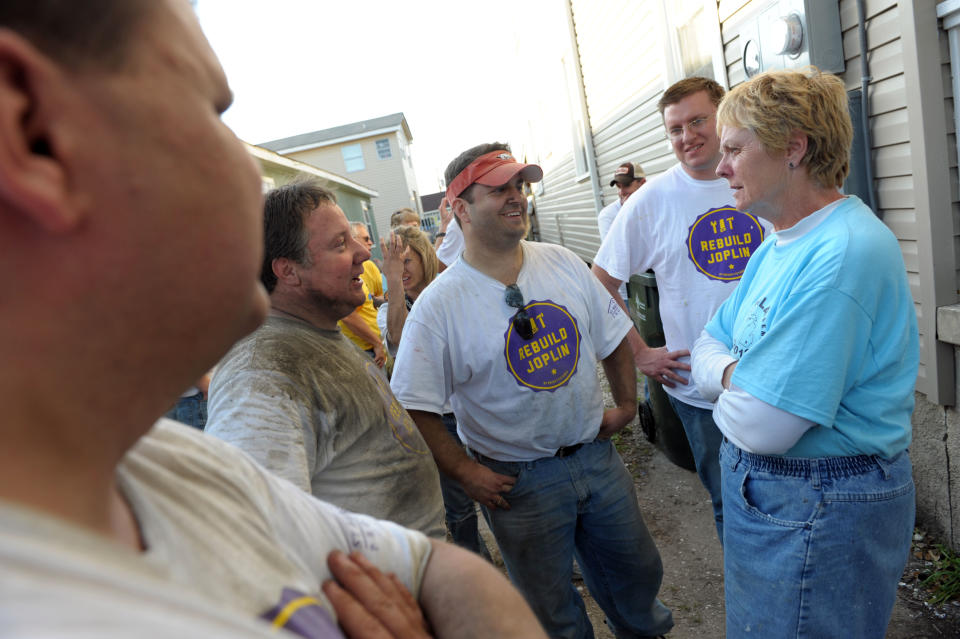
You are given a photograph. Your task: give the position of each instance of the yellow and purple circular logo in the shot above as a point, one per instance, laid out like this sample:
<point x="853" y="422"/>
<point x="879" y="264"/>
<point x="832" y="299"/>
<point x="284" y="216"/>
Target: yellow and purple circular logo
<point x="722" y="240"/>
<point x="549" y="358"/>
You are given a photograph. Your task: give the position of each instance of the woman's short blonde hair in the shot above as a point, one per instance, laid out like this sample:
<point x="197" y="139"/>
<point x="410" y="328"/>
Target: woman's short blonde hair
<point x="776" y="103"/>
<point x="419" y="242"/>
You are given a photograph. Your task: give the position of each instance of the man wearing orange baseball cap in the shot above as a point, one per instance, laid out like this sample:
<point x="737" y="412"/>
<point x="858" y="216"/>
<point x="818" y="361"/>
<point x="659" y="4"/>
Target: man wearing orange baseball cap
<point x="511" y="335"/>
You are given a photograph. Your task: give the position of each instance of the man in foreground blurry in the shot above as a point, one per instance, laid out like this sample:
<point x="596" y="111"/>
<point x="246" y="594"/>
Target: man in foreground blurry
<point x="130" y="221"/>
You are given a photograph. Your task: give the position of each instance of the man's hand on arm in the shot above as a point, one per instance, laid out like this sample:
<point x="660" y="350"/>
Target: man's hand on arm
<point x="658" y="364"/>
<point x="370" y="604"/>
<point x="478" y="481"/>
<point x="461" y="595"/>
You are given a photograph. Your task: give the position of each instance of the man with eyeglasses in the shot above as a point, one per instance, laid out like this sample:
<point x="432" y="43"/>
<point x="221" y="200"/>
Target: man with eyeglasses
<point x="511" y="334"/>
<point x="683" y="225"/>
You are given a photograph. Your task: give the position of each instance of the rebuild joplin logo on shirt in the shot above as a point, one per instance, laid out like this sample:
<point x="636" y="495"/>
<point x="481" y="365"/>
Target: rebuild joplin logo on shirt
<point x="549" y="359"/>
<point x="721" y="241"/>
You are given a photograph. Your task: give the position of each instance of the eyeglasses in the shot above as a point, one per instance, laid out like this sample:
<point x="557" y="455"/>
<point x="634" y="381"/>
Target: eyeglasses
<point x="693" y="126"/>
<point x="522" y="323"/>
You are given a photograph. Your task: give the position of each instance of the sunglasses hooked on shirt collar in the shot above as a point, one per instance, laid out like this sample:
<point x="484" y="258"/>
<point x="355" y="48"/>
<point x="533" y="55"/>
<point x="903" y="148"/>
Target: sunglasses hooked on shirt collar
<point x="522" y="323"/>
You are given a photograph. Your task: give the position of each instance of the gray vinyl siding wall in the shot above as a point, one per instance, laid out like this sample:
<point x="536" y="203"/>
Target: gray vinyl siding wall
<point x="623" y="84"/>
<point x="565" y="208"/>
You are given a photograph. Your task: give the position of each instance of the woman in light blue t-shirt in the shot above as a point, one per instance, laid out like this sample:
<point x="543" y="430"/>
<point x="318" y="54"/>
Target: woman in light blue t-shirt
<point x="812" y="361"/>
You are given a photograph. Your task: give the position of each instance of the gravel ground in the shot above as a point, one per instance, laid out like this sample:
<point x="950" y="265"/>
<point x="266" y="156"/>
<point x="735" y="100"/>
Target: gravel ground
<point x="677" y="511"/>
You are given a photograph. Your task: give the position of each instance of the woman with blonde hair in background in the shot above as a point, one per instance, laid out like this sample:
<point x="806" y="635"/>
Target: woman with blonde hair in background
<point x="410" y="264"/>
<point x="813" y="359"/>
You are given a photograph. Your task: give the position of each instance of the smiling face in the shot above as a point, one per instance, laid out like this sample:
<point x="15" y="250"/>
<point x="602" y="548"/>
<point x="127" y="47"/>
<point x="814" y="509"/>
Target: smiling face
<point x="758" y="178"/>
<point x="413" y="278"/>
<point x="329" y="279"/>
<point x="497" y="217"/>
<point x="691" y="128"/>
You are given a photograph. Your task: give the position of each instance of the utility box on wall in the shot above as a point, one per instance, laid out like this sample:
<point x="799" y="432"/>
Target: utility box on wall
<point x="785" y="34"/>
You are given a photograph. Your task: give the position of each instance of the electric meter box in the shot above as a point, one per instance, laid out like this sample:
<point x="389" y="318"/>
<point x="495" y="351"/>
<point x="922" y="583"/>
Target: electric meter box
<point x="787" y="34"/>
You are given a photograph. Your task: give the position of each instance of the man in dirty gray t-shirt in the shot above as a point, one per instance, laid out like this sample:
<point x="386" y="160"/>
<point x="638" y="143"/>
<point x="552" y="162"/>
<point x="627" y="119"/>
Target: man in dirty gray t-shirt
<point x="301" y="398"/>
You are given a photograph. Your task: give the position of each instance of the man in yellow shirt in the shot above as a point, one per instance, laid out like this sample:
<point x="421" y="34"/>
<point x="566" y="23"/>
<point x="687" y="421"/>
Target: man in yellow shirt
<point x="361" y="325"/>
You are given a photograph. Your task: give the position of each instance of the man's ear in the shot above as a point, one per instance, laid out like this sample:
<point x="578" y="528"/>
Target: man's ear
<point x="461" y="209"/>
<point x="33" y="182"/>
<point x="285" y="271"/>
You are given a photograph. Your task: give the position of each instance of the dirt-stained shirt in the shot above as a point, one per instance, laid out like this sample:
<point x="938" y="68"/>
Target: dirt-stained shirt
<point x="309" y="406"/>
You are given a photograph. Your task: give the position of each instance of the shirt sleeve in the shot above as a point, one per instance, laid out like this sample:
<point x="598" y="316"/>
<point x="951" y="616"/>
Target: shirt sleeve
<point x="452" y="244"/>
<point x="421" y="378"/>
<point x="708" y="360"/>
<point x="311" y="528"/>
<point x="756" y="426"/>
<point x="382" y="325"/>
<point x="257" y="411"/>
<point x="608" y="323"/>
<point x="624" y="249"/>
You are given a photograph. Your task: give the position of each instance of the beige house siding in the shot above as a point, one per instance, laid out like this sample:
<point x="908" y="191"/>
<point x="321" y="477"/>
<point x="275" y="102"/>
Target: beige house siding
<point x="277" y="170"/>
<point x="392" y="178"/>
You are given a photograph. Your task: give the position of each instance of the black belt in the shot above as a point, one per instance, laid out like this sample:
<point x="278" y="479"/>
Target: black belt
<point x="564" y="451"/>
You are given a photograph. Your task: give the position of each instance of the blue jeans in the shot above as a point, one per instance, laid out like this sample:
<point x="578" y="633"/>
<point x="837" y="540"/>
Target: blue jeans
<point x="814" y="547"/>
<point x="582" y="506"/>
<point x="704" y="438"/>
<point x="460" y="509"/>
<point x="191" y="411"/>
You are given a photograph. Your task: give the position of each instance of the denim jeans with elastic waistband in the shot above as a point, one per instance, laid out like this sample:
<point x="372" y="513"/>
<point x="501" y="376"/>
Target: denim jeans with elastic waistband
<point x="583" y="505"/>
<point x="813" y="548"/>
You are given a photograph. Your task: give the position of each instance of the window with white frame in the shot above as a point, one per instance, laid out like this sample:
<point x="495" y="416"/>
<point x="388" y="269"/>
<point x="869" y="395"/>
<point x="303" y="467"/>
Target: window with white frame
<point x="577" y="125"/>
<point x="694" y="46"/>
<point x="383" y="149"/>
<point x="353" y="158"/>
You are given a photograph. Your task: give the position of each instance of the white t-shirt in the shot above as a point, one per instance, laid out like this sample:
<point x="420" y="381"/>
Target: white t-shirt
<point x="689" y="232"/>
<point x="604" y="220"/>
<point x="515" y="400"/>
<point x="227" y="542"/>
<point x="606" y="216"/>
<point x="452" y="245"/>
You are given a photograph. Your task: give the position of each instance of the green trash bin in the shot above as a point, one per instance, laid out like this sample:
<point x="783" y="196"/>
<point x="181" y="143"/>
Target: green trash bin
<point x="659" y="422"/>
